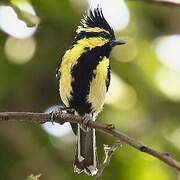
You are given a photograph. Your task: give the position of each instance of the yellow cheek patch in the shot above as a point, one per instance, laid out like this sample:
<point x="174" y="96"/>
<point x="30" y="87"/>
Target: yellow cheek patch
<point x="97" y="90"/>
<point x="70" y="59"/>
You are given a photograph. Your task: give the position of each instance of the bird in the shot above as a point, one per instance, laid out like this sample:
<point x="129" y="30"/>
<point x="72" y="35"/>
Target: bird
<point x="84" y="75"/>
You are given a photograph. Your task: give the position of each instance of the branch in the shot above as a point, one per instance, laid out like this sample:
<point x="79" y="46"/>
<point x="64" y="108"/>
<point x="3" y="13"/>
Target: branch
<point x="108" y="154"/>
<point x="39" y="118"/>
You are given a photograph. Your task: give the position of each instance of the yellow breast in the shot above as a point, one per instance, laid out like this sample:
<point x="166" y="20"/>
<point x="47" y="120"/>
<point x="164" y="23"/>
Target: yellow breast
<point x="98" y="90"/>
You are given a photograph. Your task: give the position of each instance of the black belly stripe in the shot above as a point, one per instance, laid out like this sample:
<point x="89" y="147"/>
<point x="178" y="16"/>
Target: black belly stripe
<point x="82" y="74"/>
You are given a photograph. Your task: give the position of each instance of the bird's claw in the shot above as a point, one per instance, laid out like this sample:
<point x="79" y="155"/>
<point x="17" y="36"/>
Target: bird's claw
<point x="59" y="110"/>
<point x="85" y="123"/>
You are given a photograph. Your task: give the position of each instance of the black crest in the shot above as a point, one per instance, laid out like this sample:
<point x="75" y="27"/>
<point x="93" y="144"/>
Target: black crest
<point x="95" y="18"/>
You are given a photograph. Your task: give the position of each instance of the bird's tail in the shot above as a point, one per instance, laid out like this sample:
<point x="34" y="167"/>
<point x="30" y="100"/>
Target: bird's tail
<point x="86" y="158"/>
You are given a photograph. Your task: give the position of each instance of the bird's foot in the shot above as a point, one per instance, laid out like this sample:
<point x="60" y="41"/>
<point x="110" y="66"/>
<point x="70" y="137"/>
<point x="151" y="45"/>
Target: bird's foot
<point x="85" y="122"/>
<point x="59" y="110"/>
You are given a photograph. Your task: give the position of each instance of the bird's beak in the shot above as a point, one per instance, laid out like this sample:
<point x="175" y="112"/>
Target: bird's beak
<point x="117" y="42"/>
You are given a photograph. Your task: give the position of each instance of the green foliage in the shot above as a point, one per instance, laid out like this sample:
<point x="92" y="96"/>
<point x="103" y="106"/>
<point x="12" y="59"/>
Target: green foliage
<point x="143" y="110"/>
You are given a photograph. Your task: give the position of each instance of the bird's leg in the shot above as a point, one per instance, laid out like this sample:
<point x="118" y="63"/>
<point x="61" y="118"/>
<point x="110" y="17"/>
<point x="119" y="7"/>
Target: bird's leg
<point x="85" y="122"/>
<point x="59" y="110"/>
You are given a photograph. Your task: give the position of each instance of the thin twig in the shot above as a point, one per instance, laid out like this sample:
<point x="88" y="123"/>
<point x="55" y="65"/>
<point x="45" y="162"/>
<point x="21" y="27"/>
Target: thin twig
<point x="30" y="19"/>
<point x="39" y="118"/>
<point x="33" y="177"/>
<point x="108" y="150"/>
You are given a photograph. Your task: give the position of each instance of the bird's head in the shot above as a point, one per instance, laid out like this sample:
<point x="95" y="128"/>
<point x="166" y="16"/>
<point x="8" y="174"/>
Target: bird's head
<point x="96" y="29"/>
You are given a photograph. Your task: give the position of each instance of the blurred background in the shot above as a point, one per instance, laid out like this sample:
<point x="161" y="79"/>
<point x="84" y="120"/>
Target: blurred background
<point x="143" y="100"/>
